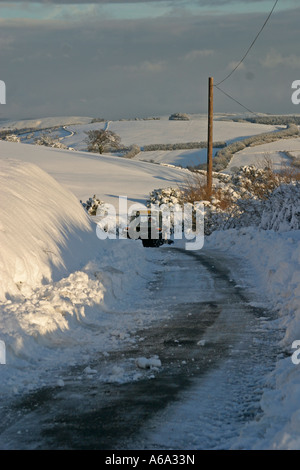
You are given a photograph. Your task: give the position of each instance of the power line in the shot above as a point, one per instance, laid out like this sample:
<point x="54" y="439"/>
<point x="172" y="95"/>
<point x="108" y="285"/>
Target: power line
<point x="233" y="99"/>
<point x="250" y="47"/>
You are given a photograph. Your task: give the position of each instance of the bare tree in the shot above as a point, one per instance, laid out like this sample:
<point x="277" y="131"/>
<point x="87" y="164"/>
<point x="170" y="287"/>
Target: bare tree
<point x="101" y="140"/>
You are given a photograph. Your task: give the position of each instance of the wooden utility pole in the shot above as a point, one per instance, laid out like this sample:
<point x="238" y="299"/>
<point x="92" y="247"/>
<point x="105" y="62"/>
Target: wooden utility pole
<point x="210" y="135"/>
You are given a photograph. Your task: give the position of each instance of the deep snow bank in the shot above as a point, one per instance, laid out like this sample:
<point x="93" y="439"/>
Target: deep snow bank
<point x="64" y="294"/>
<point x="39" y="219"/>
<point x="272" y="260"/>
<point x="274" y="257"/>
<point x="45" y="235"/>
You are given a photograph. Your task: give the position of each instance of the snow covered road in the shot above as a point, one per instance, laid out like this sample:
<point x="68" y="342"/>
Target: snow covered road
<point x="190" y="381"/>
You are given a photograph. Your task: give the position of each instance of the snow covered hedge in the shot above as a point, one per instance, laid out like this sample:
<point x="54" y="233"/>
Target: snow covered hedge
<point x="168" y="196"/>
<point x="295" y="160"/>
<point x="48" y="141"/>
<point x="224" y="156"/>
<point x="12" y="138"/>
<point x="179" y="117"/>
<point x="180" y="146"/>
<point x="92" y="205"/>
<point x="250" y="197"/>
<point x="281" y="212"/>
<point x="132" y="151"/>
<point x="95" y="206"/>
<point x="272" y="120"/>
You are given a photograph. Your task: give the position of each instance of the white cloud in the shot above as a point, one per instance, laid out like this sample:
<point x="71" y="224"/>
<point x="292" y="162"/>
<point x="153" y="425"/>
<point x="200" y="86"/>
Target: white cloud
<point x="197" y="54"/>
<point x="144" y="67"/>
<point x="275" y="59"/>
<point x="152" y="66"/>
<point x="232" y="65"/>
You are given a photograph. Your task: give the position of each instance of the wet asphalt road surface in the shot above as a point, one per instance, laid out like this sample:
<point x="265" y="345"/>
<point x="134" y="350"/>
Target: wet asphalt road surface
<point x="197" y="339"/>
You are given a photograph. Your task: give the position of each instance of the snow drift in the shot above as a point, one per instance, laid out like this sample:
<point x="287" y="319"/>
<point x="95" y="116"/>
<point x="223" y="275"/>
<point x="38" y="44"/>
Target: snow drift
<point x="38" y="219"/>
<point x="272" y="272"/>
<point x="63" y="292"/>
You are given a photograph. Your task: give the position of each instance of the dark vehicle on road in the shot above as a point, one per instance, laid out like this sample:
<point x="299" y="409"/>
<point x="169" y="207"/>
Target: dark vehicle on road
<point x="147" y="225"/>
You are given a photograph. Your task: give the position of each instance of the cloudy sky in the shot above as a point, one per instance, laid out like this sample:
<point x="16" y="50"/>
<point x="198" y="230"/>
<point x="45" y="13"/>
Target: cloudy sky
<point x="117" y="59"/>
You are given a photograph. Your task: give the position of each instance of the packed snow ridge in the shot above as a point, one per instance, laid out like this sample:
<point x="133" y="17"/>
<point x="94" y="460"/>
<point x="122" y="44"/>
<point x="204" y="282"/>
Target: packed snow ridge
<point x="57" y="278"/>
<point x="38" y="217"/>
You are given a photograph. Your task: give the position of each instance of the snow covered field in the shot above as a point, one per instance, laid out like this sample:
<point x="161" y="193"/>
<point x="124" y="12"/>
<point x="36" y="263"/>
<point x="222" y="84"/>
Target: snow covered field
<point x="274" y="151"/>
<point x="163" y="131"/>
<point x="44" y="122"/>
<point x="183" y="158"/>
<point x="60" y="283"/>
<point x="86" y="174"/>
